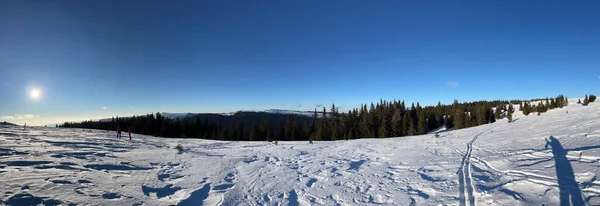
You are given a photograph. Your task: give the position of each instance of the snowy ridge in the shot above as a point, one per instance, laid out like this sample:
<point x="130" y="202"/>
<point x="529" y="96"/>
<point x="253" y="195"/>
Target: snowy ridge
<point x="189" y="114"/>
<point x="552" y="159"/>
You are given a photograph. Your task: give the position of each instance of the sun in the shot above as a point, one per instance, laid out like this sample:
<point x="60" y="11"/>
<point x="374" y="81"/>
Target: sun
<point x="35" y="93"/>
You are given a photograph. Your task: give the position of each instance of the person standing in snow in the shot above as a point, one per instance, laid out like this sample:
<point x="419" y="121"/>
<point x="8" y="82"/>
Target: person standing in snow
<point x="118" y="132"/>
<point x="129" y="133"/>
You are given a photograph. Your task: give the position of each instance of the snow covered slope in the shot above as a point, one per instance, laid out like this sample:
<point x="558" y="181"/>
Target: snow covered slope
<point x="548" y="159"/>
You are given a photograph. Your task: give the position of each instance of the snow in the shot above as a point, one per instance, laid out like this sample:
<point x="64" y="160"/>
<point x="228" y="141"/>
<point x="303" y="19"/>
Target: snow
<point x="495" y="164"/>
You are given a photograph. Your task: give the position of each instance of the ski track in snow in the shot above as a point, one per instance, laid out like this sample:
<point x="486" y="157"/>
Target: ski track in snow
<point x="552" y="159"/>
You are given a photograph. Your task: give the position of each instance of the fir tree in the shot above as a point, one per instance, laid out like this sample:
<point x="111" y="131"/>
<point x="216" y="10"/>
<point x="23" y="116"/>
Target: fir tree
<point x="296" y="132"/>
<point x="432" y="122"/>
<point x="269" y="136"/>
<point x="491" y="116"/>
<point x="586" y="101"/>
<point x="422" y="123"/>
<point x="288" y="127"/>
<point x="264" y="127"/>
<point x="254" y="132"/>
<point x="406" y="124"/>
<point x="382" y="133"/>
<point x="498" y="113"/>
<point x="459" y="119"/>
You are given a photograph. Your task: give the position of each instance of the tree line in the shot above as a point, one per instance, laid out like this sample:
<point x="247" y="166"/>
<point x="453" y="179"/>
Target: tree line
<point x="377" y="120"/>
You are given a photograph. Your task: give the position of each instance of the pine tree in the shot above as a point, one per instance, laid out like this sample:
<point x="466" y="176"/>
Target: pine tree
<point x="269" y="136"/>
<point x="264" y="127"/>
<point x="254" y="132"/>
<point x="491" y="116"/>
<point x="334" y="123"/>
<point x="412" y="128"/>
<point x="280" y="132"/>
<point x="586" y="101"/>
<point x="288" y="127"/>
<point x="406" y="124"/>
<point x="527" y="109"/>
<point x="432" y="122"/>
<point x="422" y="123"/>
<point x="382" y="133"/>
<point x="498" y="113"/>
<point x="296" y="131"/>
<point x="459" y="119"/>
<point x="579" y="101"/>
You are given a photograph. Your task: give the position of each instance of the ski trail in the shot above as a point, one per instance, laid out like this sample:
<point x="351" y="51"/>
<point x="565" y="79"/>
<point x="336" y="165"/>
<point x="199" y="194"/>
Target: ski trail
<point x="464" y="175"/>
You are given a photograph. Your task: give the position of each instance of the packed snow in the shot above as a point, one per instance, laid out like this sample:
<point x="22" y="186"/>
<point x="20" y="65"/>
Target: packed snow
<point x="551" y="159"/>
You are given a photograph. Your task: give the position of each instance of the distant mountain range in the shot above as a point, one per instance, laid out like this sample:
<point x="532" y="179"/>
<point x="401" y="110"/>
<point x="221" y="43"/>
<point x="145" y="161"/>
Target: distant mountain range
<point x="7" y="123"/>
<point x="268" y="111"/>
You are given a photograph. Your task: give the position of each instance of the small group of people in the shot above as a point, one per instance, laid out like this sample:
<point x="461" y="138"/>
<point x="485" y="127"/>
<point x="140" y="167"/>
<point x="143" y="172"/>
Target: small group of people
<point x="119" y="132"/>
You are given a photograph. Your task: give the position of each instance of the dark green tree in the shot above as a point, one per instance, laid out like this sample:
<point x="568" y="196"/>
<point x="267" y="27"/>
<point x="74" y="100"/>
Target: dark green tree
<point x="288" y="127"/>
<point x="586" y="101"/>
<point x="254" y="132"/>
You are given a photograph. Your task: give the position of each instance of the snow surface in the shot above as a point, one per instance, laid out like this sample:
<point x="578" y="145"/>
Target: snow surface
<point x="536" y="160"/>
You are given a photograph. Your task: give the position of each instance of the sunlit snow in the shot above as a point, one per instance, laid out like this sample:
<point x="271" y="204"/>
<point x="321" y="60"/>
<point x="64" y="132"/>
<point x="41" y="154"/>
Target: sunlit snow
<point x="548" y="159"/>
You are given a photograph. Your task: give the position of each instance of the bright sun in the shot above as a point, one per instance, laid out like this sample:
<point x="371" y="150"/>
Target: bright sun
<point x="35" y="93"/>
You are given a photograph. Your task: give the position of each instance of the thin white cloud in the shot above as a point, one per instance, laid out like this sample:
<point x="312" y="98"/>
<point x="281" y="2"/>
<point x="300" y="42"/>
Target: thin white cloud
<point x="20" y="116"/>
<point x="104" y="107"/>
<point x="452" y="84"/>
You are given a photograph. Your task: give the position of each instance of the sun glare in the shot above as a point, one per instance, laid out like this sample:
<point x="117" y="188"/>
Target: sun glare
<point x="35" y="93"/>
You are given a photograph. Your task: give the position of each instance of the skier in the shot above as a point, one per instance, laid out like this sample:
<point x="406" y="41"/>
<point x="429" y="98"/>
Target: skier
<point x="118" y="132"/>
<point x="129" y="133"/>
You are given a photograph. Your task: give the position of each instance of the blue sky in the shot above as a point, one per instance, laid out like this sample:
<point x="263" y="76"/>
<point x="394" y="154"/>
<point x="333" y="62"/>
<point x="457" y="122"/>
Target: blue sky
<point x="94" y="59"/>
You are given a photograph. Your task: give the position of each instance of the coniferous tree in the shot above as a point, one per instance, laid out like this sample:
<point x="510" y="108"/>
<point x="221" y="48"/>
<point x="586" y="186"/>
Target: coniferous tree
<point x="498" y="113"/>
<point x="334" y="123"/>
<point x="382" y="133"/>
<point x="491" y="116"/>
<point x="279" y="135"/>
<point x="586" y="101"/>
<point x="526" y="109"/>
<point x="254" y="132"/>
<point x="269" y="136"/>
<point x="422" y="123"/>
<point x="296" y="132"/>
<point x="432" y="122"/>
<point x="592" y="98"/>
<point x="412" y="128"/>
<point x="288" y="127"/>
<point x="406" y="124"/>
<point x="459" y="119"/>
<point x="264" y="127"/>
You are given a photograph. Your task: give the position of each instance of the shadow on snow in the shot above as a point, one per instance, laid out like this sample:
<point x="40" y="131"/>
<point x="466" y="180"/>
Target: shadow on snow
<point x="568" y="187"/>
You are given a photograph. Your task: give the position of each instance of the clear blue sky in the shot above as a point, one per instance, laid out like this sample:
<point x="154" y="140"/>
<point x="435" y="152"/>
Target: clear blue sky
<point x="94" y="59"/>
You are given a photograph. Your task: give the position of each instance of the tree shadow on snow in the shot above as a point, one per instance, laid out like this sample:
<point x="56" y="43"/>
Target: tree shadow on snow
<point x="568" y="187"/>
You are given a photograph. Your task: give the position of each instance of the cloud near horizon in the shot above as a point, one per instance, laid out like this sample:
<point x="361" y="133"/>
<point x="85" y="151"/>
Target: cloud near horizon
<point x="452" y="84"/>
<point x="20" y="116"/>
